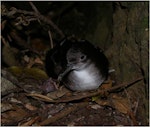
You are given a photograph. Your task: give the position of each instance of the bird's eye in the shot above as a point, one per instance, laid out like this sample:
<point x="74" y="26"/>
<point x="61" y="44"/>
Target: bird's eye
<point x="83" y="57"/>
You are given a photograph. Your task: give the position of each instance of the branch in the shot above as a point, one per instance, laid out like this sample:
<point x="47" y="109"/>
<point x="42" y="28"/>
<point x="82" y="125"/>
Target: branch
<point x="34" y="7"/>
<point x="51" y="40"/>
<point x="63" y="113"/>
<point x="40" y="17"/>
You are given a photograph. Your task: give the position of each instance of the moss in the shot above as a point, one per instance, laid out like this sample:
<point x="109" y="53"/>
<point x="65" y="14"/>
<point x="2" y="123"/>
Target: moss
<point x="145" y="22"/>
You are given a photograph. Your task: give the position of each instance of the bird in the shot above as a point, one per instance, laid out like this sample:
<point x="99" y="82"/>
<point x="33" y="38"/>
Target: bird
<point x="55" y="60"/>
<point x="83" y="66"/>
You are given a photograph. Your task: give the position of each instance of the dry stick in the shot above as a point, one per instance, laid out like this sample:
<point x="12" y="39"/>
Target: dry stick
<point x="136" y="107"/>
<point x="131" y="115"/>
<point x="34" y="7"/>
<point x="51" y="40"/>
<point x="30" y="122"/>
<point x="4" y="41"/>
<point x="124" y="85"/>
<point x="49" y="32"/>
<point x="63" y="113"/>
<point x="129" y="101"/>
<point x="130" y="112"/>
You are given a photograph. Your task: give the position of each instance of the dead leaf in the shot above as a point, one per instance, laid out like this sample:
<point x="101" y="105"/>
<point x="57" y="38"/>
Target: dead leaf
<point x="107" y="84"/>
<point x="39" y="61"/>
<point x="121" y="104"/>
<point x="5" y="107"/>
<point x="14" y="100"/>
<point x="30" y="107"/>
<point x="30" y="63"/>
<point x="40" y="97"/>
<point x="30" y="122"/>
<point x="13" y="116"/>
<point x="103" y="102"/>
<point x="26" y="58"/>
<point x="58" y="93"/>
<point x="95" y="106"/>
<point x="49" y="85"/>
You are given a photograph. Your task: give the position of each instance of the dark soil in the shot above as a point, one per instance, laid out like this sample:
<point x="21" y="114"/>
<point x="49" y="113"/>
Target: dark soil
<point x="94" y="117"/>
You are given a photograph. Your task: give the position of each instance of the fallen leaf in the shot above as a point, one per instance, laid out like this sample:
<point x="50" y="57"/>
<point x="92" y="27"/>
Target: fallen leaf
<point x="58" y="93"/>
<point x="30" y="122"/>
<point x="121" y="104"/>
<point x="95" y="106"/>
<point x="49" y="85"/>
<point x="103" y="102"/>
<point x="30" y="107"/>
<point x="106" y="84"/>
<point x="14" y="100"/>
<point x="5" y="107"/>
<point x="40" y="97"/>
<point x="39" y="61"/>
<point x="14" y="116"/>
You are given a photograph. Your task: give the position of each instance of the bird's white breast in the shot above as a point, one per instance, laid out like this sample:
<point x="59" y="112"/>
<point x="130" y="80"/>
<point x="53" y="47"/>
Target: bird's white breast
<point x="84" y="76"/>
<point x="86" y="79"/>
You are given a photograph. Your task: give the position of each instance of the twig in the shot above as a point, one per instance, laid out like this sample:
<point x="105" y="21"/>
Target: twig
<point x="63" y="113"/>
<point x="38" y="13"/>
<point x="34" y="7"/>
<point x="31" y="121"/>
<point x="40" y="96"/>
<point x="136" y="106"/>
<point x="134" y="121"/>
<point x="4" y="41"/>
<point x="43" y="18"/>
<point x="124" y="85"/>
<point x="131" y="113"/>
<point x="129" y="99"/>
<point x="51" y="40"/>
